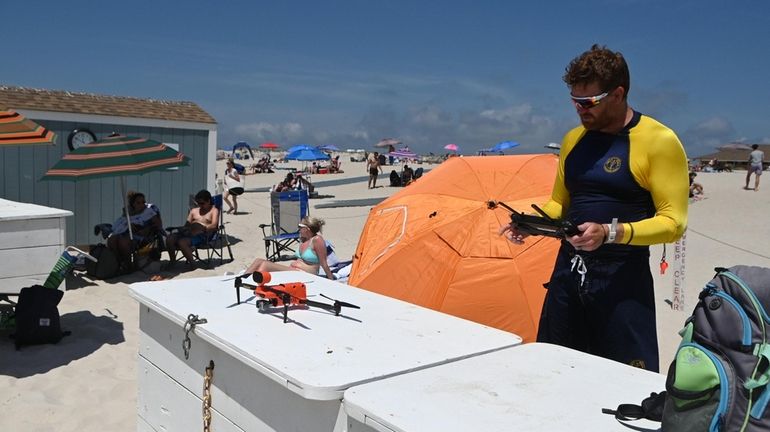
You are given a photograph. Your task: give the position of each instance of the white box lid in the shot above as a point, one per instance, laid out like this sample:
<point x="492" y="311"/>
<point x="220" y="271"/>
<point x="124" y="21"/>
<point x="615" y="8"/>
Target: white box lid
<point x="531" y="387"/>
<point x="12" y="210"/>
<point x="317" y="354"/>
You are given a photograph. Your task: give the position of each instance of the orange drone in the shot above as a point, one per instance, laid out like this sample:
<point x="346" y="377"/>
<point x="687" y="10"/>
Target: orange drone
<point x="285" y="294"/>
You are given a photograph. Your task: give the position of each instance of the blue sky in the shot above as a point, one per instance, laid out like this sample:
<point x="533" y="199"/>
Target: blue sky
<point x="427" y="72"/>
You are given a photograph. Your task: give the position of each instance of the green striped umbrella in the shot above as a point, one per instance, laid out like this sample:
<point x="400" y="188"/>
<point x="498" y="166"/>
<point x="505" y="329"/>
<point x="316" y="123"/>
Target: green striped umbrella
<point x="114" y="156"/>
<point x="15" y="129"/>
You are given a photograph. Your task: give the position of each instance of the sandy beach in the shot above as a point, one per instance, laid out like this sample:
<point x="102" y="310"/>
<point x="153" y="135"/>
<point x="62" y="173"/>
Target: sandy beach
<point x="87" y="382"/>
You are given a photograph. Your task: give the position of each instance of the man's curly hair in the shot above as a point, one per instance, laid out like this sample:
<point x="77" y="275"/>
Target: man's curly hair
<point x="599" y="65"/>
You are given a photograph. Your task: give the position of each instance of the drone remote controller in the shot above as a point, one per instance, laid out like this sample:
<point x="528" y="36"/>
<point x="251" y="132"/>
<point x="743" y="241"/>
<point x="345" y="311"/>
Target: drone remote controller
<point x="541" y="225"/>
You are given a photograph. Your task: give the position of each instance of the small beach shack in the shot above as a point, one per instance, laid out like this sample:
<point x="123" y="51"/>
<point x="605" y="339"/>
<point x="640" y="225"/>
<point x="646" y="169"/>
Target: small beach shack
<point x="77" y="118"/>
<point x="735" y="157"/>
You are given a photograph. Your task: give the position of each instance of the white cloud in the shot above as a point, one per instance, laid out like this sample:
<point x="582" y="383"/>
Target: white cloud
<point x="263" y="131"/>
<point x="706" y="135"/>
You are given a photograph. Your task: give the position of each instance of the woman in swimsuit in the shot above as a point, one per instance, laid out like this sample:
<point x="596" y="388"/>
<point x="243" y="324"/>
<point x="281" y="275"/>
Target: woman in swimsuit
<point x="311" y="253"/>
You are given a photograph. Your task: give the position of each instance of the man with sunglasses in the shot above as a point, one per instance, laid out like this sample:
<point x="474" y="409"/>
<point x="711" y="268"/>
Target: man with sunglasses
<point x="623" y="181"/>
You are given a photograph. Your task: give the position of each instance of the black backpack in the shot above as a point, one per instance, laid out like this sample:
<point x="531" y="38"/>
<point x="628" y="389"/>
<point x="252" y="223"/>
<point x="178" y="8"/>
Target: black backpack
<point x="37" y="317"/>
<point x="719" y="378"/>
<point x="106" y="266"/>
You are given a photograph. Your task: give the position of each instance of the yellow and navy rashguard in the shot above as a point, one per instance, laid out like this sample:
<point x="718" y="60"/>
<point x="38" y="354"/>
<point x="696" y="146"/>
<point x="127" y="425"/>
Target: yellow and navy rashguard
<point x="602" y="302"/>
<point x="638" y="176"/>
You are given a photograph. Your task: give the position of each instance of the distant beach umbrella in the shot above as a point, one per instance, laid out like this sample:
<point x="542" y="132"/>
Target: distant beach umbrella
<point x="452" y="147"/>
<point x="305" y="155"/>
<point x="404" y="153"/>
<point x="15" y="129"/>
<point x="329" y="147"/>
<point x="504" y="145"/>
<point x="269" y="145"/>
<point x="116" y="156"/>
<point x="553" y="146"/>
<point x="388" y="142"/>
<point x="297" y="147"/>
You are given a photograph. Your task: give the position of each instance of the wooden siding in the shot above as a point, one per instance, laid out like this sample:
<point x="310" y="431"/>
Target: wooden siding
<point x="99" y="201"/>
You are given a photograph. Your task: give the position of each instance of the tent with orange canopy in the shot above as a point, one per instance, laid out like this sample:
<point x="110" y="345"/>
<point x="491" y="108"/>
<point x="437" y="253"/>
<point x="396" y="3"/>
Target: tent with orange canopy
<point x="435" y="243"/>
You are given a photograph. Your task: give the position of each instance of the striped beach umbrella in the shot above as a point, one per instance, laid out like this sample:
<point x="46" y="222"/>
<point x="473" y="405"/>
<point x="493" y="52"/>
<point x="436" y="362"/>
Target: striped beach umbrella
<point x="452" y="147"/>
<point x="115" y="156"/>
<point x="15" y="129"/>
<point x="404" y="153"/>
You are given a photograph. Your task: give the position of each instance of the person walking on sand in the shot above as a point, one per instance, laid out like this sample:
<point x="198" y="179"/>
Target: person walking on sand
<point x="756" y="160"/>
<point x="233" y="187"/>
<point x="622" y="180"/>
<point x="374" y="168"/>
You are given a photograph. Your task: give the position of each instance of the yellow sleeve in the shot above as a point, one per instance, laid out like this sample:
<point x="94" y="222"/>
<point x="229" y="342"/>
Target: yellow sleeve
<point x="659" y="164"/>
<point x="560" y="196"/>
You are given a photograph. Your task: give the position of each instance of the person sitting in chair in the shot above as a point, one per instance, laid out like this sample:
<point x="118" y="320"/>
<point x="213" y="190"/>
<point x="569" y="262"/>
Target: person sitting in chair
<point x="395" y="179"/>
<point x="406" y="175"/>
<point x="288" y="183"/>
<point x="145" y="222"/>
<point x="202" y="221"/>
<point x="695" y="188"/>
<point x="311" y="253"/>
<point x="334" y="165"/>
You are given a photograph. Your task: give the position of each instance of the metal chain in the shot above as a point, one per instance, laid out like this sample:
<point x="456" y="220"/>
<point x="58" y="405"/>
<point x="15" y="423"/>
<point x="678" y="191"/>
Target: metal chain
<point x="189" y="326"/>
<point x="208" y="377"/>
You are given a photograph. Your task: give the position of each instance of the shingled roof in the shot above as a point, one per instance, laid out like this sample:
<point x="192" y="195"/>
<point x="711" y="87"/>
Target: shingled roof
<point x="86" y="103"/>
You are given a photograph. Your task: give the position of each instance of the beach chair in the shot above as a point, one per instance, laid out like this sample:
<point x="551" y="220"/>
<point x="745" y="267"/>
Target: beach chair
<point x="217" y="241"/>
<point x="63" y="266"/>
<point x="142" y="252"/>
<point x="281" y="235"/>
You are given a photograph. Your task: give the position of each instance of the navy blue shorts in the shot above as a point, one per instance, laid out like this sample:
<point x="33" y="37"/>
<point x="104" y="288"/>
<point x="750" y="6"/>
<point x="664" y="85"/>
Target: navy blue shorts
<point x="612" y="314"/>
<point x="197" y="239"/>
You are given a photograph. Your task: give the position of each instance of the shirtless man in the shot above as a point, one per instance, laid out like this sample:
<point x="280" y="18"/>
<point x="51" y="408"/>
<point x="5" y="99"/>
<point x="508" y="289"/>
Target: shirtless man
<point x="374" y="168"/>
<point x="201" y="221"/>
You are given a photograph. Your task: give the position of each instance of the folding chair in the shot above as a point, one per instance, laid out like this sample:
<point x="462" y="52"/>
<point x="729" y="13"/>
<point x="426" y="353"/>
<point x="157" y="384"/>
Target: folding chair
<point x="217" y="240"/>
<point x="142" y="253"/>
<point x="287" y="209"/>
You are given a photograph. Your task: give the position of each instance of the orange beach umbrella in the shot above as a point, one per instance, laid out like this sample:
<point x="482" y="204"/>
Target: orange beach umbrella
<point x="15" y="129"/>
<point x="435" y="243"/>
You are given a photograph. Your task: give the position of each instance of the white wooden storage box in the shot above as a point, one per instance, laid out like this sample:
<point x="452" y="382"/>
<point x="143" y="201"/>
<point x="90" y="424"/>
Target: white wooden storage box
<point x="533" y="387"/>
<point x="32" y="237"/>
<point x="276" y="376"/>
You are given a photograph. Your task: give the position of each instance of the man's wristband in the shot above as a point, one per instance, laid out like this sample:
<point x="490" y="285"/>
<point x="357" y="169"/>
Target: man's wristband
<point x="612" y="231"/>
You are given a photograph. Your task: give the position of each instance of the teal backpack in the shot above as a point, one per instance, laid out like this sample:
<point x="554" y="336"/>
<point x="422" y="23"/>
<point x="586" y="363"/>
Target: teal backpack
<point x="718" y="380"/>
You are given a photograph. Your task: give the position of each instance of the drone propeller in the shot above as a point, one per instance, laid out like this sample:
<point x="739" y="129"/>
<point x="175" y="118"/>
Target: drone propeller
<point x="341" y="303"/>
